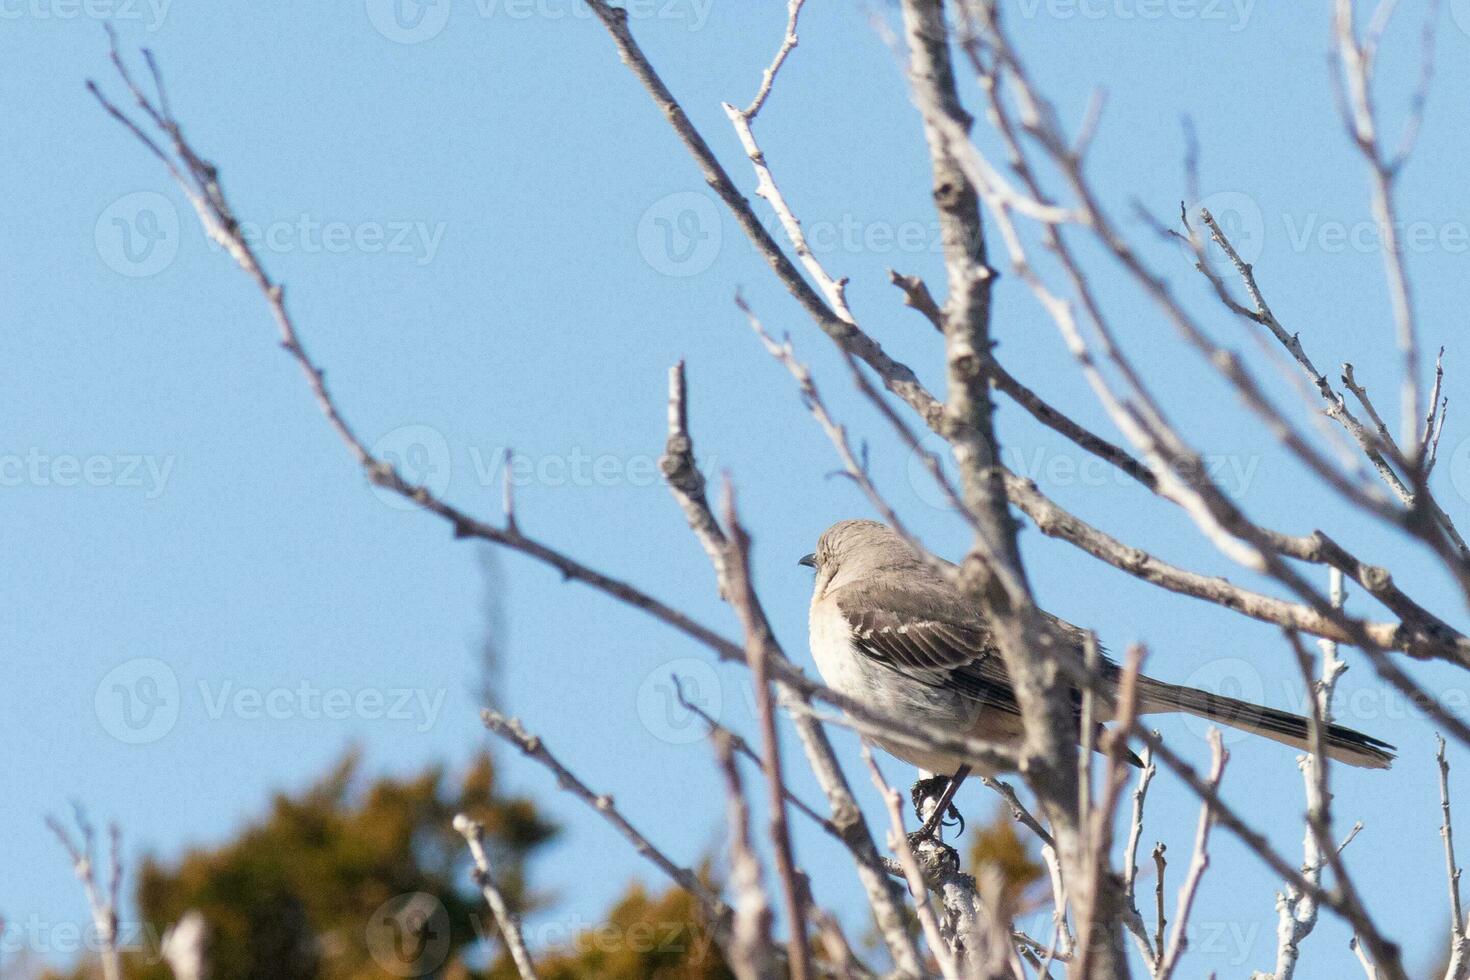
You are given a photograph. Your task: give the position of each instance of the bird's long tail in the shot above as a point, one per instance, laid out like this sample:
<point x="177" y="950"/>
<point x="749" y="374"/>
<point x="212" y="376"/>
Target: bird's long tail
<point x="1341" y="744"/>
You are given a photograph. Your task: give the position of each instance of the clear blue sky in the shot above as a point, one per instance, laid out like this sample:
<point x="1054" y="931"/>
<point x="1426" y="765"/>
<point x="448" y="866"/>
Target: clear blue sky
<point x="470" y="215"/>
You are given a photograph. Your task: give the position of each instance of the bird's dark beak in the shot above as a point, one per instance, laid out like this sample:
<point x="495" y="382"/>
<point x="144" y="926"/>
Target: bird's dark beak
<point x="810" y="561"/>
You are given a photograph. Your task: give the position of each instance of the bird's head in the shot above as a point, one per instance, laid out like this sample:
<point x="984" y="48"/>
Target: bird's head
<point x="854" y="546"/>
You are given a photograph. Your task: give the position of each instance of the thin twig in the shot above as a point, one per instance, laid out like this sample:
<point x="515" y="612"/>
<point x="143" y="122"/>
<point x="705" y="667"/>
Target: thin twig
<point x="102" y="900"/>
<point x="681" y="471"/>
<point x="1297" y="909"/>
<point x="716" y="912"/>
<point x="741" y="746"/>
<point x="1459" y="963"/>
<point x="510" y="927"/>
<point x="1134" y="919"/>
<point x="750" y="942"/>
<point x="898" y="843"/>
<point x="1160" y="863"/>
<point x="1198" y="862"/>
<point x="760" y="651"/>
<point x="768" y="78"/>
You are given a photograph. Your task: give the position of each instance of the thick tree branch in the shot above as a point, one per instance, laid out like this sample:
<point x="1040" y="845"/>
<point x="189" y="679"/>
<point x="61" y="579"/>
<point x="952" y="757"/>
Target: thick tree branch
<point x="993" y="574"/>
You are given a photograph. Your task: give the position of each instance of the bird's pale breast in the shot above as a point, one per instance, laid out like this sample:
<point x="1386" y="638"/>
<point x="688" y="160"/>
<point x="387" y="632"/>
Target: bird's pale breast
<point x="849" y="672"/>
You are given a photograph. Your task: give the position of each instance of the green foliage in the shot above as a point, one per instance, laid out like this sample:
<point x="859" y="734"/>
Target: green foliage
<point x="346" y="881"/>
<point x="351" y="879"/>
<point x="645" y="937"/>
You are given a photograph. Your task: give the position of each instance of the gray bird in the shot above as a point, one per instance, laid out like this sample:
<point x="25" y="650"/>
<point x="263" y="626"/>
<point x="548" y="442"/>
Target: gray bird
<point x="887" y="629"/>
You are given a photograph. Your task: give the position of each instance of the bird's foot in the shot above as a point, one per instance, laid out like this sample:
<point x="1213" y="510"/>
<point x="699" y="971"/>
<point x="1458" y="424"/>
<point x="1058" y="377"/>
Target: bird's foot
<point x="926" y="790"/>
<point x="930" y="787"/>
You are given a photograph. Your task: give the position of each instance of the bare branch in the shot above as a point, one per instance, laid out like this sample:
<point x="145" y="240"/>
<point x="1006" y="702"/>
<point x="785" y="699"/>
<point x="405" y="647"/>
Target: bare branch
<point x="1355" y="62"/>
<point x="1134" y="919"/>
<point x="750" y="942"/>
<point x="1455" y="552"/>
<point x="993" y="574"/>
<point x="1198" y="862"/>
<point x="1319" y="819"/>
<point x="1336" y="407"/>
<point x="897" y="377"/>
<point x="788" y="43"/>
<point x="1296" y="909"/>
<point x="898" y="843"/>
<point x="1160" y="863"/>
<point x="741" y="746"/>
<point x="510" y="927"/>
<point x="1459" y="964"/>
<point x="718" y="915"/>
<point x="847" y="821"/>
<point x="917" y="295"/>
<point x="102" y="900"/>
<point x="760" y="651"/>
<point x="1369" y="970"/>
<point x="1429" y="439"/>
<point x="686" y="481"/>
<point x="1022" y="815"/>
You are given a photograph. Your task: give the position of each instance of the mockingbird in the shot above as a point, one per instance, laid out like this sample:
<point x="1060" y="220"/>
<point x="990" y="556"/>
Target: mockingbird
<point x="888" y="629"/>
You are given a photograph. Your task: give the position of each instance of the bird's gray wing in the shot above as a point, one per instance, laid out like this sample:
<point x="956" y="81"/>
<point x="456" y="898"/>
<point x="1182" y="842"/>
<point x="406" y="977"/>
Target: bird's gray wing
<point x="927" y="636"/>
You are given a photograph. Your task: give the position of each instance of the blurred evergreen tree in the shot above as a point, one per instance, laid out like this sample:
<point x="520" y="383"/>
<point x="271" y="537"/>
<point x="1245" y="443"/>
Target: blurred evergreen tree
<point x="645" y="937"/>
<point x="351" y="879"/>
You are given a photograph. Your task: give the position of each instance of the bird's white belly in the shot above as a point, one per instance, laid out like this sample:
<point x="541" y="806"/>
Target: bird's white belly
<point x="837" y="661"/>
